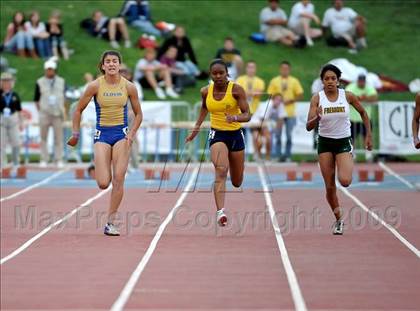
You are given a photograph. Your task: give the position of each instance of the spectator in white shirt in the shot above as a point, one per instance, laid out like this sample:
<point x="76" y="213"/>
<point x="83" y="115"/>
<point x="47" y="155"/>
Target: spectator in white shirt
<point x="149" y="71"/>
<point x="273" y="24"/>
<point x="345" y="25"/>
<point x="39" y="34"/>
<point x="303" y="12"/>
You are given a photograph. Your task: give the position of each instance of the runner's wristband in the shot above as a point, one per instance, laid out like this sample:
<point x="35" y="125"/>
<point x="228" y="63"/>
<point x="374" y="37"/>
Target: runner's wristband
<point x="76" y="134"/>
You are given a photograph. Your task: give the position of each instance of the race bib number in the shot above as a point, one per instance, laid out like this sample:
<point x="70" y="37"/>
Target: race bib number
<point x="97" y="135"/>
<point x="212" y="133"/>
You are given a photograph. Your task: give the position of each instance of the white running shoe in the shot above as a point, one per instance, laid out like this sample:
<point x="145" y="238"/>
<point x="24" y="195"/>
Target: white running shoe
<point x="171" y="93"/>
<point x="60" y="164"/>
<point x="127" y="44"/>
<point x="111" y="230"/>
<point x="338" y="227"/>
<point x="42" y="164"/>
<point x="160" y="93"/>
<point x="309" y="41"/>
<point x="361" y="43"/>
<point x="114" y="44"/>
<point x="221" y="217"/>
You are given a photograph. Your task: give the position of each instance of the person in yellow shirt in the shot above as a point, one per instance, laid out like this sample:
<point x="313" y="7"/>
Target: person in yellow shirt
<point x="291" y="90"/>
<point x="112" y="140"/>
<point x="254" y="86"/>
<point x="226" y="103"/>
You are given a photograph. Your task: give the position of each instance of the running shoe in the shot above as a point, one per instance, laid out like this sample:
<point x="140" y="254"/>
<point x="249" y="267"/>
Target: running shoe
<point x="338" y="227"/>
<point x="110" y="229"/>
<point x="221" y="217"/>
<point x="114" y="44"/>
<point x="171" y="93"/>
<point x="160" y="93"/>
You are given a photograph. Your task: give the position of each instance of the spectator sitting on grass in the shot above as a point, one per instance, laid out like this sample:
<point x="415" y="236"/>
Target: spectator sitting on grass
<point x="137" y="13"/>
<point x="55" y="29"/>
<point x="128" y="74"/>
<point x="18" y="40"/>
<point x="347" y="27"/>
<point x="148" y="71"/>
<point x="232" y="57"/>
<point x="185" y="58"/>
<point x="39" y="34"/>
<point x="177" y="74"/>
<point x="273" y="24"/>
<point x="303" y="12"/>
<point x="108" y="28"/>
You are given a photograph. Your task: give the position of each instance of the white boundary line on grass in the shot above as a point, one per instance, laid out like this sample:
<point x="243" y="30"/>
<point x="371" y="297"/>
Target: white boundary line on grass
<point x="134" y="278"/>
<point x="396" y="175"/>
<point x="359" y="203"/>
<point x="36" y="185"/>
<point x="47" y="229"/>
<point x="291" y="276"/>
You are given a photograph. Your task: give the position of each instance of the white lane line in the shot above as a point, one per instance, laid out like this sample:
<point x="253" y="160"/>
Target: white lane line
<point x="47" y="229"/>
<point x="397" y="176"/>
<point x="291" y="276"/>
<point x="359" y="203"/>
<point x="129" y="287"/>
<point x="40" y="183"/>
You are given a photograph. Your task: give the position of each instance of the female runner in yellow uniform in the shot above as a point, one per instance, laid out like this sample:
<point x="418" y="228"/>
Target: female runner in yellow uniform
<point x="112" y="140"/>
<point x="226" y="102"/>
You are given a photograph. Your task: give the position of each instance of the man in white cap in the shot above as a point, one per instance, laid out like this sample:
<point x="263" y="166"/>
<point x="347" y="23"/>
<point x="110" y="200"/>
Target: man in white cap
<point x="11" y="120"/>
<point x="49" y="100"/>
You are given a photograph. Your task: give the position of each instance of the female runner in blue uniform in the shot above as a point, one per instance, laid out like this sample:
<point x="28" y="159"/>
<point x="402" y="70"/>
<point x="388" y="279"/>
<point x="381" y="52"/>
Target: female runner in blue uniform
<point x="112" y="140"/>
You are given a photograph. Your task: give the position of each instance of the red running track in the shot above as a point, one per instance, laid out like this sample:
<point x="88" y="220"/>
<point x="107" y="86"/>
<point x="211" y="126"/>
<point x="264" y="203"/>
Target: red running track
<point x="78" y="267"/>
<point x="366" y="268"/>
<point x="201" y="265"/>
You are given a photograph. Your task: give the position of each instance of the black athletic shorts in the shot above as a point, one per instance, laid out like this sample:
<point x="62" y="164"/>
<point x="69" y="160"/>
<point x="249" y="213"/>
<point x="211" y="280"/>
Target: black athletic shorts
<point x="335" y="146"/>
<point x="234" y="140"/>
